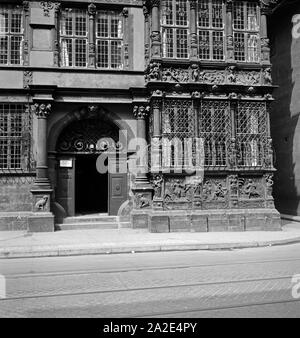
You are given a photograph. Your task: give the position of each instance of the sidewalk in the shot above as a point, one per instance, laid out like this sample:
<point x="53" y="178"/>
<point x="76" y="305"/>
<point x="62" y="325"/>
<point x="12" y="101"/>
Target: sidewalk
<point x="89" y="242"/>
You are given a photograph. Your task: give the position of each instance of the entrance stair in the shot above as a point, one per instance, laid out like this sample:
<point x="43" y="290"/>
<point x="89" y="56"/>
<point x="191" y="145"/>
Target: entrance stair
<point x="85" y="222"/>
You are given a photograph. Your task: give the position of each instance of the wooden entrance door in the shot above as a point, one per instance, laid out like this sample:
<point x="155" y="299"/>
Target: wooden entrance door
<point x="117" y="190"/>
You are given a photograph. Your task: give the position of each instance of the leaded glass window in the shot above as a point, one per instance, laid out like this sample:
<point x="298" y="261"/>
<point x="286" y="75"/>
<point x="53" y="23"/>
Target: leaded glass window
<point x="74" y="37"/>
<point x="175" y="29"/>
<point x="214" y="128"/>
<point x="14" y="137"/>
<point x="251" y="133"/>
<point x="211" y="29"/>
<point x="109" y="40"/>
<point x="246" y="31"/>
<point x="178" y="128"/>
<point x="11" y="35"/>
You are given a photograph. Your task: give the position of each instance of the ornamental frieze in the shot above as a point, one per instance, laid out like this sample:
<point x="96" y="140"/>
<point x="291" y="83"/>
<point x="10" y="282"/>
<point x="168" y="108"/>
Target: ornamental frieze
<point x="229" y="76"/>
<point x="251" y="188"/>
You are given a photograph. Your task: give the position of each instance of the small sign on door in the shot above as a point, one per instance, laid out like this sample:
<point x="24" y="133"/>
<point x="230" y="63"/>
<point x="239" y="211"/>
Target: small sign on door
<point x="66" y="163"/>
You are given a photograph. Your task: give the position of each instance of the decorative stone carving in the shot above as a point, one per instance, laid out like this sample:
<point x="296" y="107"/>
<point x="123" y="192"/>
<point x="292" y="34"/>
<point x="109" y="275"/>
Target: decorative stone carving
<point x="157" y="186"/>
<point x="175" y="74"/>
<point x="142" y="201"/>
<point x="47" y="6"/>
<point x="141" y="112"/>
<point x="176" y="190"/>
<point x="214" y="190"/>
<point x="248" y="78"/>
<point x="231" y="74"/>
<point x="27" y="79"/>
<point x="269" y="179"/>
<point x="154" y="72"/>
<point x="250" y="188"/>
<point x="267" y="76"/>
<point x="41" y="203"/>
<point x="212" y="77"/>
<point x="42" y="110"/>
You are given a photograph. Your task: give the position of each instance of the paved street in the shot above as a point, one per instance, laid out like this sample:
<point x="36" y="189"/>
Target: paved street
<point x="249" y="282"/>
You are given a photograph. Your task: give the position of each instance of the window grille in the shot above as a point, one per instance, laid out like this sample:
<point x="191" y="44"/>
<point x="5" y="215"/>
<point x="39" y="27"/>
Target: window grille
<point x="215" y="129"/>
<point x="178" y="124"/>
<point x="246" y="31"/>
<point x="175" y="29"/>
<point x="74" y="37"/>
<point x="251" y="133"/>
<point x="211" y="29"/>
<point x="109" y="40"/>
<point x="15" y="128"/>
<point x="11" y="35"/>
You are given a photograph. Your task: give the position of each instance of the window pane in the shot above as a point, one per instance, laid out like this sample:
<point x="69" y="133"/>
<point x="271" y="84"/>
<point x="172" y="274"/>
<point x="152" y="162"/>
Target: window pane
<point x="182" y="43"/>
<point x="252" y="16"/>
<point x="116" y="27"/>
<point x="217" y="14"/>
<point x="253" y="54"/>
<point x="181" y="13"/>
<point x="204" y="45"/>
<point x="3" y="20"/>
<point x="168" y="43"/>
<point x="15" y="154"/>
<point x="167" y="12"/>
<point x="239" y="47"/>
<point x="3" y="153"/>
<point x="203" y="13"/>
<point x="251" y="133"/>
<point x="218" y="45"/>
<point x="102" y="53"/>
<point x="239" y="16"/>
<point x="16" y="50"/>
<point x="102" y="25"/>
<point x="66" y="25"/>
<point x="116" y="54"/>
<point x="66" y="52"/>
<point x="16" y="22"/>
<point x="80" y="53"/>
<point x="3" y="50"/>
<point x="80" y="23"/>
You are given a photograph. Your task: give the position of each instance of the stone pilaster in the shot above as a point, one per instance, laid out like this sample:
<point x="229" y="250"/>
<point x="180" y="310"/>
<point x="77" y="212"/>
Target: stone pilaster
<point x="155" y="32"/>
<point x="265" y="42"/>
<point x="57" y="7"/>
<point x="229" y="35"/>
<point x="26" y="7"/>
<point x="92" y="45"/>
<point x="147" y="33"/>
<point x="193" y="30"/>
<point x="42" y="219"/>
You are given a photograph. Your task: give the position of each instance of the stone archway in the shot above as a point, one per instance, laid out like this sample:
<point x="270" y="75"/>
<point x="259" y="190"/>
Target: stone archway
<point x="80" y="188"/>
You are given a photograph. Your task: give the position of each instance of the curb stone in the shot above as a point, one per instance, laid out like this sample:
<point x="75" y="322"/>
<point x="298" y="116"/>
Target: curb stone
<point x="98" y="249"/>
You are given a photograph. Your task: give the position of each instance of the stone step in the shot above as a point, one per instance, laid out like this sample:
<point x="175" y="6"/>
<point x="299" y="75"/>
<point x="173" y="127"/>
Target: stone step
<point x="90" y="219"/>
<point x="87" y="226"/>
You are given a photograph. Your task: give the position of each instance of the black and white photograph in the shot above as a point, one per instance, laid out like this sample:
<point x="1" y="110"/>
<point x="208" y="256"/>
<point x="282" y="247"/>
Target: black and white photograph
<point x="149" y="162"/>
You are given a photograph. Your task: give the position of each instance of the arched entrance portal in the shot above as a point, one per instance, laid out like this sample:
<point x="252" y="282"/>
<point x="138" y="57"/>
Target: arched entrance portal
<point x="81" y="189"/>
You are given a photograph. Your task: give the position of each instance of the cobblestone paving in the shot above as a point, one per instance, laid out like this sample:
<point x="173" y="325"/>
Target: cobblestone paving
<point x="165" y="290"/>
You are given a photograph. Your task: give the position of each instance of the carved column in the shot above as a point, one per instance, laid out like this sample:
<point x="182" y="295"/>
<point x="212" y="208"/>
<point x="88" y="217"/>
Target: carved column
<point x="92" y="45"/>
<point x="193" y="30"/>
<point x="42" y="111"/>
<point x="142" y="189"/>
<point x="26" y="7"/>
<point x="127" y="61"/>
<point x="232" y="153"/>
<point x="57" y="7"/>
<point x="265" y="43"/>
<point x="156" y="138"/>
<point x="155" y="33"/>
<point x="229" y="37"/>
<point x="147" y="34"/>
